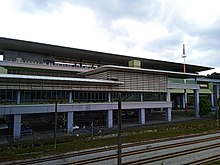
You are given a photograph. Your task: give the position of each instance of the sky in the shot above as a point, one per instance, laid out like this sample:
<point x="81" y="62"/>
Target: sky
<point x="153" y="29"/>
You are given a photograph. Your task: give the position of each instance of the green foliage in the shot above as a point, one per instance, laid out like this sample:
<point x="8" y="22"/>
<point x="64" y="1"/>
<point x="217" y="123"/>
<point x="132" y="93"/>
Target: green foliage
<point x="205" y="106"/>
<point x="214" y="75"/>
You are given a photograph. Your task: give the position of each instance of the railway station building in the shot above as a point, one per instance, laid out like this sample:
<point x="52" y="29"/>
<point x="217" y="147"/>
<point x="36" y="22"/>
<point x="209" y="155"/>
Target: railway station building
<point x="33" y="76"/>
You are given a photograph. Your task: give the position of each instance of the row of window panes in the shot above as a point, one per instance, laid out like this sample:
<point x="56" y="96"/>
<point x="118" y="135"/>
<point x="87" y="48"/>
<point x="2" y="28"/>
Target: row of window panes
<point x="41" y="73"/>
<point x="9" y="96"/>
<point x="134" y="96"/>
<point x="154" y="96"/>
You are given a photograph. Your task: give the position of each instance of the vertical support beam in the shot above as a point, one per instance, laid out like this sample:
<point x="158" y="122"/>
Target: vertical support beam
<point x="212" y="99"/>
<point x="142" y="119"/>
<point x="183" y="98"/>
<point x="109" y="96"/>
<point x="168" y="114"/>
<point x="142" y="116"/>
<point x="70" y="98"/>
<point x="216" y="94"/>
<point x="196" y="103"/>
<point x="109" y="114"/>
<point x="69" y="121"/>
<point x="110" y="119"/>
<point x="18" y="97"/>
<point x="17" y="127"/>
<point x="142" y="97"/>
<point x="119" y="131"/>
<point x="168" y="110"/>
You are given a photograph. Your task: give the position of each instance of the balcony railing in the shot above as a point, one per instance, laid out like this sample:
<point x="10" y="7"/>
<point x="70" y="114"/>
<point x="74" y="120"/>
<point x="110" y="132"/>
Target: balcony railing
<point x="181" y="81"/>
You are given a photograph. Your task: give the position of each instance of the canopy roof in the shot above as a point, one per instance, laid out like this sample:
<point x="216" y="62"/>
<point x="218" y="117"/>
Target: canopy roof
<point x="93" y="56"/>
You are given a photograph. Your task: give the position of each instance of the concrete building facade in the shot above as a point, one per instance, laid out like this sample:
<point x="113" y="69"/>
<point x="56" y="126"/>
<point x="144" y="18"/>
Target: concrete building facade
<point x="33" y="76"/>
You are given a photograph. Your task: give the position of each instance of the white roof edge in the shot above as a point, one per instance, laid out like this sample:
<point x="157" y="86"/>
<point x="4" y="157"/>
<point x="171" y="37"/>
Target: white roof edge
<point x="138" y="69"/>
<point x="59" y="79"/>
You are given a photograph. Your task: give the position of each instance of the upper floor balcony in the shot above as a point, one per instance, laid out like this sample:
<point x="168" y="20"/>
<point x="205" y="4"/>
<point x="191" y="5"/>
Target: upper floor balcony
<point x="175" y="83"/>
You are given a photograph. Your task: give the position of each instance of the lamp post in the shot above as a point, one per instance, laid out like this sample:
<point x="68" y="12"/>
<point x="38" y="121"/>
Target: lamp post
<point x="119" y="129"/>
<point x="55" y="124"/>
<point x="184" y="70"/>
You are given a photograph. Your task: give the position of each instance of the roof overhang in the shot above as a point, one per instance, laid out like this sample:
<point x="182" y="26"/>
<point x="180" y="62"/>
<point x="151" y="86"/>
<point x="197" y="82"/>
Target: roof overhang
<point x="67" y="79"/>
<point x="141" y="70"/>
<point x="93" y="56"/>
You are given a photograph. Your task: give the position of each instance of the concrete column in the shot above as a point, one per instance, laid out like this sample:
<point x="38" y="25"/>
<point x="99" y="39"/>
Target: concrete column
<point x="168" y="95"/>
<point x="168" y="114"/>
<point x="17" y="127"/>
<point x="110" y="119"/>
<point x="168" y="110"/>
<point x="18" y="97"/>
<point x="142" y="116"/>
<point x="142" y="97"/>
<point x="69" y="121"/>
<point x="212" y="99"/>
<point x="216" y="94"/>
<point x="70" y="98"/>
<point x="183" y="98"/>
<point x="109" y="113"/>
<point x="109" y="96"/>
<point x="196" y="103"/>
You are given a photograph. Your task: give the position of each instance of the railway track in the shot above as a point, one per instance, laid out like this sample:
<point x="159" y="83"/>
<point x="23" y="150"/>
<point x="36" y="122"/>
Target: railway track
<point x="171" y="155"/>
<point x="204" y="161"/>
<point x="113" y="148"/>
<point x="142" y="151"/>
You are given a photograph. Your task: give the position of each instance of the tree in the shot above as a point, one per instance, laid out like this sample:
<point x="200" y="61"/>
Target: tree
<point x="204" y="106"/>
<point x="214" y="75"/>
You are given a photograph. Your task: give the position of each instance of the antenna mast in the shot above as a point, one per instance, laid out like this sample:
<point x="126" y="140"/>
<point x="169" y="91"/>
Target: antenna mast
<point x="184" y="70"/>
<point x="184" y="58"/>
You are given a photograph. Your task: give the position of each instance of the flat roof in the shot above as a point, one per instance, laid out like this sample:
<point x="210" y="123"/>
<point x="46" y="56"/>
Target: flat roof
<point x="141" y="70"/>
<point x="93" y="56"/>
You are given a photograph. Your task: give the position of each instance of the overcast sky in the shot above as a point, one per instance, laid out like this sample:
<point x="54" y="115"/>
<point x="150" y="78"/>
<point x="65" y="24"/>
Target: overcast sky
<point x="154" y="29"/>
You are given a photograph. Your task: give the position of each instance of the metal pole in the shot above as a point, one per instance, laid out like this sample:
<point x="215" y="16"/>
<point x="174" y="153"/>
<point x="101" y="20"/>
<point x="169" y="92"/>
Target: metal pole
<point x="184" y="71"/>
<point x="119" y="129"/>
<point x="217" y="116"/>
<point x="55" y="125"/>
<point x="92" y="129"/>
<point x="218" y="103"/>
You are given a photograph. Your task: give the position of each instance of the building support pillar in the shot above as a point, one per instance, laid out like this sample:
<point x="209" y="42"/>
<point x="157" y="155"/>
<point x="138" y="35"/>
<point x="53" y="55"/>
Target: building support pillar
<point x="183" y="101"/>
<point x="109" y="121"/>
<point x="70" y="98"/>
<point x="18" y="97"/>
<point x="17" y="127"/>
<point x="70" y="116"/>
<point x="216" y="94"/>
<point x="212" y="99"/>
<point x="196" y="103"/>
<point x="168" y="113"/>
<point x="142" y="116"/>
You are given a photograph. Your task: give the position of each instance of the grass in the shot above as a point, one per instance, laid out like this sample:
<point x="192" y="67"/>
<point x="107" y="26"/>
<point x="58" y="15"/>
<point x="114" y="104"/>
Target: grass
<point x="42" y="147"/>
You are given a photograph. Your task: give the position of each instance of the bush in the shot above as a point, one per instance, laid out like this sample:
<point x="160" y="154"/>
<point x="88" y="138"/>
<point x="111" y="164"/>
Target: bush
<point x="204" y="106"/>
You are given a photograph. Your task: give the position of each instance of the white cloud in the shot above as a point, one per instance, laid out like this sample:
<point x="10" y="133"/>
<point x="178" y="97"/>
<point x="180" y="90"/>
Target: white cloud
<point x="152" y="29"/>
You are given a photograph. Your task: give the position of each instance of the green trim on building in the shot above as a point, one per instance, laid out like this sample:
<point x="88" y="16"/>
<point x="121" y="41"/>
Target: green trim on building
<point x="3" y="70"/>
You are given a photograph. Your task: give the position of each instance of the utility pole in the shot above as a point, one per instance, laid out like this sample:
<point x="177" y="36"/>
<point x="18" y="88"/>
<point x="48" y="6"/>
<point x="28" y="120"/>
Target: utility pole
<point x="119" y="129"/>
<point x="184" y="70"/>
<point x="55" y="124"/>
<point x="92" y="128"/>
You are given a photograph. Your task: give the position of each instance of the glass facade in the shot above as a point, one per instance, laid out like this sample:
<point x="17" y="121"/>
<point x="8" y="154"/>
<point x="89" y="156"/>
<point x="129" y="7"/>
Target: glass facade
<point x="49" y="97"/>
<point x="7" y="97"/>
<point x="89" y="96"/>
<point x="126" y="96"/>
<point x="154" y="96"/>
